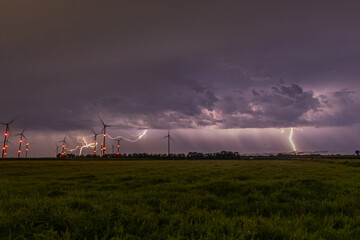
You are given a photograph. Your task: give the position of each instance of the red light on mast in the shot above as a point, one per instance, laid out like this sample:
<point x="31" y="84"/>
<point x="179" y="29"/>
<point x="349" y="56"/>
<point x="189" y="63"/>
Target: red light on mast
<point x="6" y="134"/>
<point x="19" y="151"/>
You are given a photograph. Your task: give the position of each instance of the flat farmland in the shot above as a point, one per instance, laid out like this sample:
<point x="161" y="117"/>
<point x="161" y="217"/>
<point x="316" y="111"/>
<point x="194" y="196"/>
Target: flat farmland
<point x="215" y="199"/>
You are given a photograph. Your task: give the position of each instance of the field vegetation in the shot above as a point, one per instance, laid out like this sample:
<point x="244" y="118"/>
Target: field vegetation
<point x="218" y="199"/>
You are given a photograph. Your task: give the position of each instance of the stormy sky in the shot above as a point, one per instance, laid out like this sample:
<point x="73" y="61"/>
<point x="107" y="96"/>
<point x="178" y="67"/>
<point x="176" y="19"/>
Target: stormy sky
<point x="224" y="75"/>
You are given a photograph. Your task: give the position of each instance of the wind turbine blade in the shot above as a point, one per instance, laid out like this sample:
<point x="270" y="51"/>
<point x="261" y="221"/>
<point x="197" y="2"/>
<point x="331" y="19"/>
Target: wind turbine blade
<point x="14" y="119"/>
<point x="101" y="120"/>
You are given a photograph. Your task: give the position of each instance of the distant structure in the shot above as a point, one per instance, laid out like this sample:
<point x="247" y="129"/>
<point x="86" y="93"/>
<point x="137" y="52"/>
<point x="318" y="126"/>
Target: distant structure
<point x="95" y="141"/>
<point x="57" y="150"/>
<point x="20" y="141"/>
<point x="64" y="143"/>
<point x="103" y="145"/>
<point x="118" y="140"/>
<point x="6" y="138"/>
<point x="27" y="149"/>
<point x="168" y="140"/>
<point x="357" y="152"/>
<point x="6" y="146"/>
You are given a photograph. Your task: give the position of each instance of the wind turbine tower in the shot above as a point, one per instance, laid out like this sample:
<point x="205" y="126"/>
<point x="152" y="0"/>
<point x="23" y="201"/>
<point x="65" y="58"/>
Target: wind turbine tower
<point x="95" y="141"/>
<point x="168" y="140"/>
<point x="27" y="149"/>
<point x="118" y="146"/>
<point x="64" y="143"/>
<point x="103" y="147"/>
<point x="20" y="141"/>
<point x="6" y="146"/>
<point x="6" y="138"/>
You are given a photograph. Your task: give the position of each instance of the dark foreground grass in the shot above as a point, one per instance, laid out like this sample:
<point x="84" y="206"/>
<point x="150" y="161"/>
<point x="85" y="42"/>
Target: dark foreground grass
<point x="179" y="200"/>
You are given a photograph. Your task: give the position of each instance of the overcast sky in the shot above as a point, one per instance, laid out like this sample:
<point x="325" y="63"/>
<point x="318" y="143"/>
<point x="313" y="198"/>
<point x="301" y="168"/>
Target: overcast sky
<point x="225" y="75"/>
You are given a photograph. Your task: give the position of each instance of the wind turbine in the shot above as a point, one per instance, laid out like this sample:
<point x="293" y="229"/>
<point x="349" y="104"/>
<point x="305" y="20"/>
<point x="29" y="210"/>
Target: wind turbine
<point x="168" y="139"/>
<point x="118" y="145"/>
<point x="27" y="148"/>
<point x="95" y="141"/>
<point x="64" y="143"/>
<point x="6" y="146"/>
<point x="6" y="138"/>
<point x="103" y="145"/>
<point x="57" y="150"/>
<point x="20" y="141"/>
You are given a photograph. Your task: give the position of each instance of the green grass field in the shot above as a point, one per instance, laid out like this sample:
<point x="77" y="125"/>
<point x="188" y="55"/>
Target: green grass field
<point x="180" y="199"/>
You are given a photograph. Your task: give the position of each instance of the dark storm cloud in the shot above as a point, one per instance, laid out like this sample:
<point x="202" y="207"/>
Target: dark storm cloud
<point x="179" y="64"/>
<point x="278" y="106"/>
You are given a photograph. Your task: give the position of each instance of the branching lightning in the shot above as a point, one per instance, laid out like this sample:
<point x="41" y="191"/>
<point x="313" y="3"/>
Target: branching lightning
<point x="137" y="137"/>
<point x="85" y="144"/>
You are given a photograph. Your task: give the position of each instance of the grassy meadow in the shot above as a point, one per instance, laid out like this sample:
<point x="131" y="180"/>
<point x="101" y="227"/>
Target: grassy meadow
<point x="219" y="199"/>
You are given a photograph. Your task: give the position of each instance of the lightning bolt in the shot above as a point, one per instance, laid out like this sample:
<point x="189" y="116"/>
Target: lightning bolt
<point x="137" y="137"/>
<point x="291" y="140"/>
<point x="84" y="143"/>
